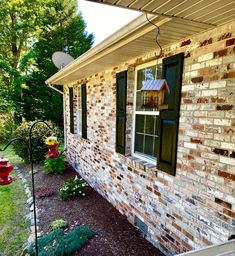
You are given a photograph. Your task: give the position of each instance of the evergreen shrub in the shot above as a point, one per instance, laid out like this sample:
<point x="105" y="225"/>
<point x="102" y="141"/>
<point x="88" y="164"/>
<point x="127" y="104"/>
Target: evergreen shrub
<point x="39" y="133"/>
<point x="57" y="243"/>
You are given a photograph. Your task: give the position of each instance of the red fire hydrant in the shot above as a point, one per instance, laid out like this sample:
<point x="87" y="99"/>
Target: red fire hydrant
<point x="5" y="170"/>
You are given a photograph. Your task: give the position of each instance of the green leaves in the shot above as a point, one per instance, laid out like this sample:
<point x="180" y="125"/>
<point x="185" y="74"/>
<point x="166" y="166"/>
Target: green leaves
<point x="73" y="188"/>
<point x="31" y="31"/>
<point x="54" y="165"/>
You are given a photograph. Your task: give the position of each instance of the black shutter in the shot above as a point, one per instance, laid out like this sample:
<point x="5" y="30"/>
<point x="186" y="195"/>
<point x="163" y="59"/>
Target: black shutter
<point x="84" y="112"/>
<point x="169" y="118"/>
<point x="121" y="88"/>
<point x="71" y="110"/>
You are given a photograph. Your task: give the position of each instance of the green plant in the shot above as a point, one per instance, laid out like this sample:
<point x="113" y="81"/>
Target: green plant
<point x="45" y="192"/>
<point x="59" y="224"/>
<point x="61" y="244"/>
<point x="39" y="133"/>
<point x="73" y="188"/>
<point x="13" y="224"/>
<point x="54" y="165"/>
<point x="7" y="125"/>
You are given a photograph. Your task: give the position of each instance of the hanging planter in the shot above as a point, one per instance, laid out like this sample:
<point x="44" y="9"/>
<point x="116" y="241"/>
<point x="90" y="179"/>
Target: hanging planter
<point x="52" y="144"/>
<point x="55" y="161"/>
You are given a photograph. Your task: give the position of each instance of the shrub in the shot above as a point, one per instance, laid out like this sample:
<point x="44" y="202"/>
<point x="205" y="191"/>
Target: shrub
<point x="54" y="165"/>
<point x="45" y="192"/>
<point x="57" y="242"/>
<point x="7" y="125"/>
<point x="59" y="224"/>
<point x="39" y="133"/>
<point x="73" y="188"/>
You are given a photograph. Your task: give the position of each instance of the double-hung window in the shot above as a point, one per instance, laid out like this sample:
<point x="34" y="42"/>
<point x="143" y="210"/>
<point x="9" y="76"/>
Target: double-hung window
<point x="145" y="125"/>
<point x="79" y="111"/>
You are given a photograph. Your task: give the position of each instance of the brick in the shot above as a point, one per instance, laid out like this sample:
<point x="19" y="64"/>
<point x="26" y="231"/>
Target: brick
<point x="226" y="175"/>
<point x="217" y="100"/>
<point x="230" y="42"/>
<point x="198" y="127"/>
<point x="205" y="42"/>
<point x="229" y="75"/>
<point x="187" y="234"/>
<point x="223" y="203"/>
<point x="224" y="107"/>
<point x="214" y="62"/>
<point x="202" y="100"/>
<point x="197" y="141"/>
<point x="198" y="79"/>
<point x="205" y="57"/>
<point x="230" y="146"/>
<point x="221" y="151"/>
<point x="229" y="213"/>
<point x="230" y="199"/>
<point x="209" y="93"/>
<point x="186" y="42"/>
<point x="190" y="145"/>
<point x="220" y="53"/>
<point x="217" y="84"/>
<point x="227" y="160"/>
<point x="225" y="36"/>
<point x="176" y="226"/>
<point x="224" y="122"/>
<point x="205" y="71"/>
<point x="197" y="66"/>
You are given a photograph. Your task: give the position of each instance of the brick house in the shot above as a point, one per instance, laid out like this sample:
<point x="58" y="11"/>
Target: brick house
<point x="171" y="172"/>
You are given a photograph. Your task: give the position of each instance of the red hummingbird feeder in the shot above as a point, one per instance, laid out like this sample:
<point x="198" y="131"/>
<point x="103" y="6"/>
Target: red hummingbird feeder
<point x="5" y="169"/>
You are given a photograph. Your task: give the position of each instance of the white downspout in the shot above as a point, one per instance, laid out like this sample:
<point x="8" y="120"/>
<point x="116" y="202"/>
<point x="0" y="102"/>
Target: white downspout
<point x="64" y="112"/>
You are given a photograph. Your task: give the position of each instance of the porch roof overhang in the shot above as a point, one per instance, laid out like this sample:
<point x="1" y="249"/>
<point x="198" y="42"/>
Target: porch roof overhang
<point x="177" y="20"/>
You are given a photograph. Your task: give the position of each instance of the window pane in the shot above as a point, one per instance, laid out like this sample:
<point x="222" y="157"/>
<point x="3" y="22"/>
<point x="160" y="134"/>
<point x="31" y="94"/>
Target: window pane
<point x="139" y="127"/>
<point x="139" y="101"/>
<point x="146" y="125"/>
<point x="149" y="124"/>
<point x="155" y="147"/>
<point x="139" y="143"/>
<point x="148" y="145"/>
<point x="79" y="98"/>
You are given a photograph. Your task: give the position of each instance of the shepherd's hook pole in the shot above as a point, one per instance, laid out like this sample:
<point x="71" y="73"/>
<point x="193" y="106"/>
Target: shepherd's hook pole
<point x="32" y="174"/>
<point x="29" y="147"/>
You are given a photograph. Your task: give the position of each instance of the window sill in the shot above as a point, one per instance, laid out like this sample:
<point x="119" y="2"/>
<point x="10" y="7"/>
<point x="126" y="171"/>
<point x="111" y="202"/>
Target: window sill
<point x="141" y="164"/>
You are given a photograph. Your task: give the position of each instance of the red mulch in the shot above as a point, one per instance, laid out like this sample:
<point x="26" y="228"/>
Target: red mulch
<point x="115" y="235"/>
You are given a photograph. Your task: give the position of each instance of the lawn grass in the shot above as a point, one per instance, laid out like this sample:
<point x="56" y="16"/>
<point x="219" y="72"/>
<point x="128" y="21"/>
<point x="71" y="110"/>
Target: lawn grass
<point x="13" y="223"/>
<point x="9" y="153"/>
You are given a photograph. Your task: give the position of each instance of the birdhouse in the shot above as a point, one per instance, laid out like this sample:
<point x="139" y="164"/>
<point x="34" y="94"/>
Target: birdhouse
<point x="154" y="93"/>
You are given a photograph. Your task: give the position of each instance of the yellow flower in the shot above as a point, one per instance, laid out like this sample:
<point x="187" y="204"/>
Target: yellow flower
<point x="52" y="140"/>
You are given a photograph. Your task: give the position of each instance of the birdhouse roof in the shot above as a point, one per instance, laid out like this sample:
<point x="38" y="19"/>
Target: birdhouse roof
<point x="155" y="85"/>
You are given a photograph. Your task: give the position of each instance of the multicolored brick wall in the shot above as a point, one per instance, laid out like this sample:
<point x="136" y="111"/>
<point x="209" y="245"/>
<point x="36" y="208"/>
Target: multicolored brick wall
<point x="196" y="207"/>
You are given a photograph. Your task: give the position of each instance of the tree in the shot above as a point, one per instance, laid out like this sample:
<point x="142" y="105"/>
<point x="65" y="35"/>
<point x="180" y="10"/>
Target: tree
<point x="71" y="38"/>
<point x="31" y="31"/>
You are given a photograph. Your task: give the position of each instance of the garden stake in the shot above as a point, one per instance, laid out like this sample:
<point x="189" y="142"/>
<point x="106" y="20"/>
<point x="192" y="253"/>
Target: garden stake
<point x="29" y="146"/>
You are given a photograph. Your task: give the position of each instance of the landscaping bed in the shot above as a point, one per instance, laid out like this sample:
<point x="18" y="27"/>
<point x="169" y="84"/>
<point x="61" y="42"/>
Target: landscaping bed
<point x="115" y="235"/>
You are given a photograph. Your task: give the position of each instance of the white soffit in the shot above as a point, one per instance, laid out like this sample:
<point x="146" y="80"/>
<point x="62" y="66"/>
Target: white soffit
<point x="179" y="20"/>
<point x="213" y="12"/>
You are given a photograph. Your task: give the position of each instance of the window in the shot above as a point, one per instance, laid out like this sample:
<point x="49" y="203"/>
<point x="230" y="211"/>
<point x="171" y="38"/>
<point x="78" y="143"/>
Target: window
<point x="71" y="110"/>
<point x="145" y="119"/>
<point x="82" y="111"/>
<point x="79" y="111"/>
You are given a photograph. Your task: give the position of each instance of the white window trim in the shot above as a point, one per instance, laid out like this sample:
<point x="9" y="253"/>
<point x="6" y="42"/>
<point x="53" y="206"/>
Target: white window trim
<point x="79" y="132"/>
<point x="156" y="113"/>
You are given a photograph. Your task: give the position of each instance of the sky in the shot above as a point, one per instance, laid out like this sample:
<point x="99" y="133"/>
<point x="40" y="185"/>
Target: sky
<point x="103" y="20"/>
